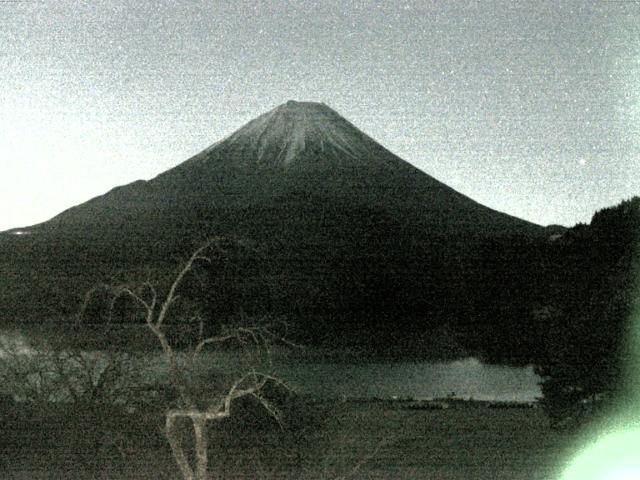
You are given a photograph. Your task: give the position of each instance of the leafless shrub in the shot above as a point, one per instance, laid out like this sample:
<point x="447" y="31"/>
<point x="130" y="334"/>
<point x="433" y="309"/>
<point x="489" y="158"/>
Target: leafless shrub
<point x="195" y="402"/>
<point x="39" y="373"/>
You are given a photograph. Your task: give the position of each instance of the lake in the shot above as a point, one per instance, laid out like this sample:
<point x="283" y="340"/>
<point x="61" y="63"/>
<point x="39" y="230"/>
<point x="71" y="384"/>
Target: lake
<point x="322" y="378"/>
<point x="467" y="378"/>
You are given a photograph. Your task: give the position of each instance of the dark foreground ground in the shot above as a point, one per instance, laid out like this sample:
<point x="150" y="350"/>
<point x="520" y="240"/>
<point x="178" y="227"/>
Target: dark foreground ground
<point x="359" y="440"/>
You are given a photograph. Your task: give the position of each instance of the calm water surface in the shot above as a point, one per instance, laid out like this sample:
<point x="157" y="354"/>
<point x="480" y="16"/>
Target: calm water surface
<point x="467" y="378"/>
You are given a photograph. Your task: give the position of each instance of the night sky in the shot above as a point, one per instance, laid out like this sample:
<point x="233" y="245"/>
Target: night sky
<point x="529" y="107"/>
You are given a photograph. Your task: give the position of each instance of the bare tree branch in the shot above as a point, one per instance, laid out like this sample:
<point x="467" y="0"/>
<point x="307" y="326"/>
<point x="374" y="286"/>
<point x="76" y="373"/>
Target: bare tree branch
<point x="171" y="296"/>
<point x="254" y="339"/>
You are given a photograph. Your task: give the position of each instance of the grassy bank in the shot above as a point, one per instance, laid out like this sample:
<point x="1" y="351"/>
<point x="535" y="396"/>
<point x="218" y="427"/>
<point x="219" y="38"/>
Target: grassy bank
<point x="367" y="440"/>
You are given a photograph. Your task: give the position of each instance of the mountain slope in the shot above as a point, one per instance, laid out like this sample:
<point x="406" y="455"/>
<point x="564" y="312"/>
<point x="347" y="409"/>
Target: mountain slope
<point x="352" y="238"/>
<point x="295" y="151"/>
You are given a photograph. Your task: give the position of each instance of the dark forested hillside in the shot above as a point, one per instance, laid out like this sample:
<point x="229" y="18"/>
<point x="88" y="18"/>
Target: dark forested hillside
<point x="573" y="289"/>
<point x="589" y="319"/>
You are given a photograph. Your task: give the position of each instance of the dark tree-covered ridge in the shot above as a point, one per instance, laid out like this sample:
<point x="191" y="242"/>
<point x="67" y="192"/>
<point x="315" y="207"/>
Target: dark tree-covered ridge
<point x="588" y="320"/>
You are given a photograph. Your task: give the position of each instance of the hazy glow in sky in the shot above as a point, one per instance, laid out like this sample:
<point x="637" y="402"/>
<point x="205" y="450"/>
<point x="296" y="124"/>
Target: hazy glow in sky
<point x="532" y="108"/>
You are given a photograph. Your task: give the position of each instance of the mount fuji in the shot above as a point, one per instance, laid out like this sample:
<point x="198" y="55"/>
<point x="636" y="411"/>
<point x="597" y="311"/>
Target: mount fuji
<point x="297" y="152"/>
<point x="351" y="237"/>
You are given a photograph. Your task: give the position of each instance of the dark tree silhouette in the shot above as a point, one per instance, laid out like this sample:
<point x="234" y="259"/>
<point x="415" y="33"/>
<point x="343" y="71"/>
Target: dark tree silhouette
<point x="586" y="324"/>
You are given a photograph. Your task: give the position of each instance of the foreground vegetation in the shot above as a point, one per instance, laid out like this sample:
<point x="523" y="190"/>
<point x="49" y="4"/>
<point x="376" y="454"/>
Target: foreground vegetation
<point x="372" y="440"/>
<point x="95" y="415"/>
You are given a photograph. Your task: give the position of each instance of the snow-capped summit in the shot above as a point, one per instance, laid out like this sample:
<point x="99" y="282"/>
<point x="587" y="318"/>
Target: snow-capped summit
<point x="283" y="134"/>
<point x="297" y="152"/>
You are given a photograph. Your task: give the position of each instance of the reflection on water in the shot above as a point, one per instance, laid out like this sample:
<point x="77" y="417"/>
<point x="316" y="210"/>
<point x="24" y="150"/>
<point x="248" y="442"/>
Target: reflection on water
<point x="467" y="378"/>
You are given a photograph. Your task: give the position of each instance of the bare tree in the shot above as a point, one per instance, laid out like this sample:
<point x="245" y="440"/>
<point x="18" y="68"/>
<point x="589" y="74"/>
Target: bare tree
<point x="41" y="373"/>
<point x="255" y="340"/>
